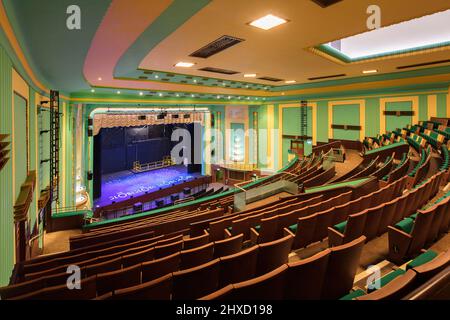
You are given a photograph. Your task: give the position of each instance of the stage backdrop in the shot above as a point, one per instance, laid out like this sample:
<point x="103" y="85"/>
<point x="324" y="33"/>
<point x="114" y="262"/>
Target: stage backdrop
<point x="115" y="149"/>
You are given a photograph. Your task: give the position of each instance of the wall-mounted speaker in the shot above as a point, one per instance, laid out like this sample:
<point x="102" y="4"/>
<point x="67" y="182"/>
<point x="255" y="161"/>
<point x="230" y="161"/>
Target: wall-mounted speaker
<point x="90" y="175"/>
<point x="90" y="122"/>
<point x="90" y="132"/>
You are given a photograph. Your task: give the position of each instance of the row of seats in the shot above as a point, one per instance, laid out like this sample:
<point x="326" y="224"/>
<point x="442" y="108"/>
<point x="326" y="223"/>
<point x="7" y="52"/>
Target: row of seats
<point x="375" y="221"/>
<point x="315" y="227"/>
<point x="193" y="271"/>
<point x="151" y="260"/>
<point x="326" y="275"/>
<point x="413" y="233"/>
<point x="399" y="283"/>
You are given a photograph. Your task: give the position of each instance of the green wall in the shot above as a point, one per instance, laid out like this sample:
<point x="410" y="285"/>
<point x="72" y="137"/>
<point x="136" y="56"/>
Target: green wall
<point x="398" y="122"/>
<point x="372" y="116"/>
<point x="6" y="196"/>
<point x="346" y="114"/>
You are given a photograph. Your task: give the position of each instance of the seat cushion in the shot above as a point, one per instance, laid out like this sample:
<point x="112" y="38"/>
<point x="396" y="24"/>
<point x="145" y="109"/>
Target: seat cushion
<point x="405" y="225"/>
<point x="258" y="227"/>
<point x="340" y="226"/>
<point x="391" y="276"/>
<point x="422" y="259"/>
<point x="413" y="216"/>
<point x="354" y="294"/>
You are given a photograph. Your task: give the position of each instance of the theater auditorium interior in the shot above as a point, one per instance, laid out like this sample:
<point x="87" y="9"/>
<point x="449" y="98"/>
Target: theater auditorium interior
<point x="225" y="150"/>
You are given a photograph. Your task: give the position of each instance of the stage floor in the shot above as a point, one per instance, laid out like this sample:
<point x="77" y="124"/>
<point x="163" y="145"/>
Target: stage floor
<point x="120" y="186"/>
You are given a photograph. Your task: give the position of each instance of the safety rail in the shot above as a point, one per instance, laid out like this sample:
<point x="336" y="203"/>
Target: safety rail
<point x="165" y="162"/>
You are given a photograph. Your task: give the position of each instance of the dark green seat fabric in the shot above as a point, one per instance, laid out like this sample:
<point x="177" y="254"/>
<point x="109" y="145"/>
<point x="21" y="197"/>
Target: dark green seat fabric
<point x="405" y="225"/>
<point x="257" y="228"/>
<point x="422" y="259"/>
<point x="388" y="278"/>
<point x="341" y="226"/>
<point x="413" y="216"/>
<point x="354" y="294"/>
<point x="293" y="228"/>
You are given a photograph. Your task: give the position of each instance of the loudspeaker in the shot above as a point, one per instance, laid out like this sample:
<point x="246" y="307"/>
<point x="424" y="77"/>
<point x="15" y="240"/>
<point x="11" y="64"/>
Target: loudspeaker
<point x="213" y="120"/>
<point x="90" y="175"/>
<point x="90" y="132"/>
<point x="90" y="121"/>
<point x="193" y="168"/>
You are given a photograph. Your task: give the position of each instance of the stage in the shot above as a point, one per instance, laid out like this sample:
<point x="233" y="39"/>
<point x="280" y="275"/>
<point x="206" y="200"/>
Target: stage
<point x="120" y="186"/>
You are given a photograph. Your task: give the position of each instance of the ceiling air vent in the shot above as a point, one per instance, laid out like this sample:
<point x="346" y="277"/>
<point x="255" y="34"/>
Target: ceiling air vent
<point x="270" y="79"/>
<point x="325" y="3"/>
<point x="423" y="64"/>
<point x="224" y="42"/>
<point x="328" y="77"/>
<point x="217" y="70"/>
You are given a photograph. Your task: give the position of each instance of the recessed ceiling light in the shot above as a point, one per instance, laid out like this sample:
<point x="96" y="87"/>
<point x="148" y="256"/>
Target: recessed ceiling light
<point x="229" y="97"/>
<point x="99" y="78"/>
<point x="118" y="92"/>
<point x="290" y="81"/>
<point x="282" y="93"/>
<point x="178" y="95"/>
<point x="195" y="81"/>
<point x="192" y="95"/>
<point x="370" y="71"/>
<point x="156" y="77"/>
<point x="141" y="93"/>
<point x="264" y="98"/>
<point x="248" y="98"/>
<point x="268" y="22"/>
<point x="160" y="94"/>
<point x="218" y="97"/>
<point x="182" y="64"/>
<point x="250" y="75"/>
<point x="92" y="90"/>
<point x="246" y="86"/>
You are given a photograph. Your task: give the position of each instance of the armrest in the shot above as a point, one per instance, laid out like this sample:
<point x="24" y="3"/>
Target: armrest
<point x="399" y="242"/>
<point x="335" y="238"/>
<point x="287" y="232"/>
<point x="254" y="236"/>
<point x="227" y="234"/>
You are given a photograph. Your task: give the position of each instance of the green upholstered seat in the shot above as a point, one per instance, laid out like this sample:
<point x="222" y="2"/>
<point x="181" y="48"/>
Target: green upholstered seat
<point x="388" y="278"/>
<point x="354" y="294"/>
<point x="405" y="225"/>
<point x="413" y="216"/>
<point x="422" y="259"/>
<point x="340" y="226"/>
<point x="257" y="228"/>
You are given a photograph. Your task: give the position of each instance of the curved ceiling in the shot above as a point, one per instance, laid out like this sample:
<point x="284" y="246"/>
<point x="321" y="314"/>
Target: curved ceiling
<point x="133" y="45"/>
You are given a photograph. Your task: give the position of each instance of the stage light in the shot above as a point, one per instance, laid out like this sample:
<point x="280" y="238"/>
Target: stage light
<point x="370" y="71"/>
<point x="250" y="75"/>
<point x="268" y="22"/>
<point x="290" y="81"/>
